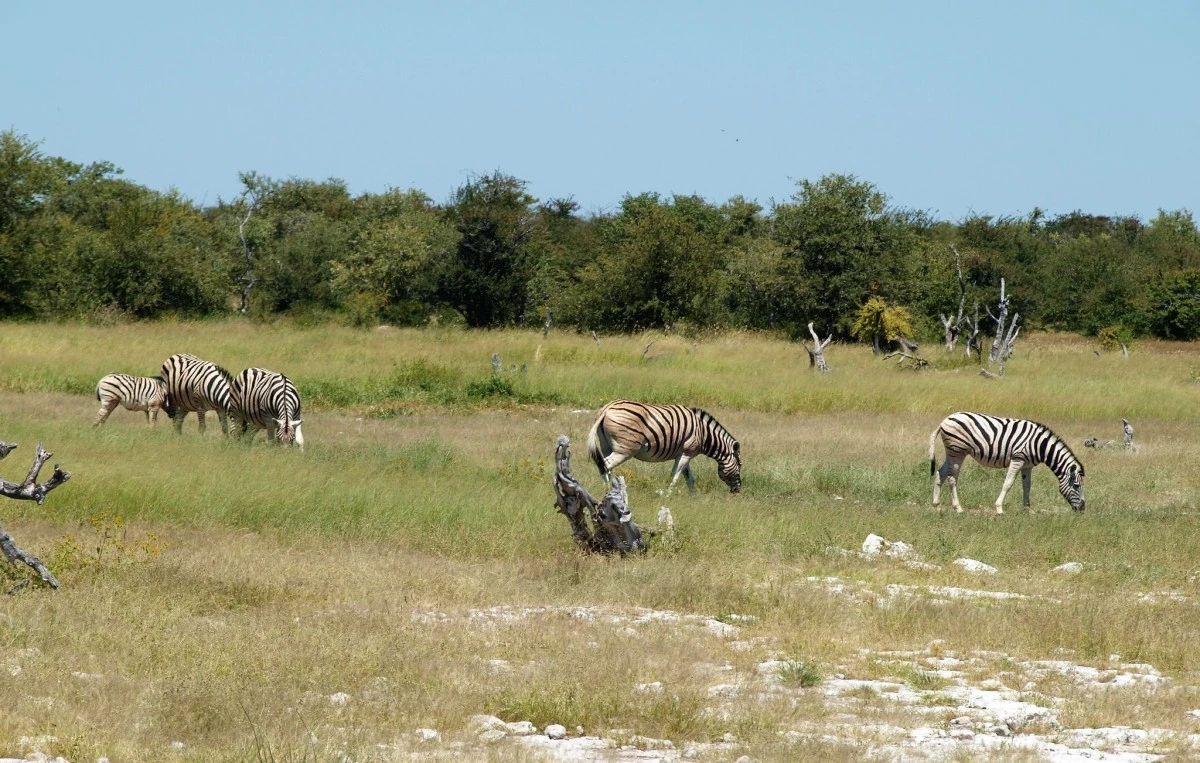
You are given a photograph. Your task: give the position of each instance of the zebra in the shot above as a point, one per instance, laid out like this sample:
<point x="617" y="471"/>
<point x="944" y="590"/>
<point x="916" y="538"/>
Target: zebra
<point x="998" y="442"/>
<point x="269" y="401"/>
<point x="196" y="385"/>
<point x="135" y="393"/>
<point x="626" y="429"/>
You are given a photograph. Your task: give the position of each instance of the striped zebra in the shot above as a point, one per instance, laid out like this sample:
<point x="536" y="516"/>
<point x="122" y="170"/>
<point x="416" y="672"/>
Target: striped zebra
<point x="196" y="385"/>
<point x="267" y="400"/>
<point x="625" y="429"/>
<point x="999" y="442"/>
<point x="135" y="393"/>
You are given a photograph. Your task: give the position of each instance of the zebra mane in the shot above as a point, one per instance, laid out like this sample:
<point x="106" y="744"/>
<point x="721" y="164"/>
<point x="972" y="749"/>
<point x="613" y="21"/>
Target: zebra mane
<point x="221" y="370"/>
<point x="1064" y="445"/>
<point x="711" y="422"/>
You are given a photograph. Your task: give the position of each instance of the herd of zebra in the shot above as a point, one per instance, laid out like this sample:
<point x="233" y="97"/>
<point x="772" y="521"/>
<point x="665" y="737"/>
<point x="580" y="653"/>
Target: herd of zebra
<point x="625" y="429"/>
<point x="255" y="398"/>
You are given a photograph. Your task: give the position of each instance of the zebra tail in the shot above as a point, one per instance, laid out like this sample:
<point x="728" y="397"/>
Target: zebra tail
<point x="593" y="443"/>
<point x="932" y="446"/>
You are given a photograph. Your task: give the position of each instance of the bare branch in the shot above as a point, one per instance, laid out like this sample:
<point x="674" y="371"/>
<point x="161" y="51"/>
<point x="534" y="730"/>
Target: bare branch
<point x="31" y="489"/>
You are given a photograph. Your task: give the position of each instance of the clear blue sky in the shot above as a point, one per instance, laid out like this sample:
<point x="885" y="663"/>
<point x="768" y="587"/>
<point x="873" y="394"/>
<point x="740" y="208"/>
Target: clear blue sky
<point x="950" y="107"/>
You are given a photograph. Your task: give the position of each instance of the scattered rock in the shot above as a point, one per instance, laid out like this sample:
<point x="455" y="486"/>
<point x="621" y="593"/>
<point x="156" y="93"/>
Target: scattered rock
<point x="340" y="699"/>
<point x="521" y="728"/>
<point x="654" y="687"/>
<point x="556" y="731"/>
<point x="480" y="724"/>
<point x="1071" y="568"/>
<point x="971" y="565"/>
<point x="492" y="736"/>
<point x="427" y="735"/>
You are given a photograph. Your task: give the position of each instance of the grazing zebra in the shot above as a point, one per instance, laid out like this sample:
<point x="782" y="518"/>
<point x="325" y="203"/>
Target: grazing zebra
<point x="135" y="393"/>
<point x="625" y="430"/>
<point x="998" y="442"/>
<point x="269" y="401"/>
<point x="196" y="385"/>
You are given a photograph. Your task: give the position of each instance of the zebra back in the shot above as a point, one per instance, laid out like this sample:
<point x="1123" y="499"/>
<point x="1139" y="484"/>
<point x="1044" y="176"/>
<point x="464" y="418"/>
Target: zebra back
<point x="132" y="392"/>
<point x="196" y="385"/>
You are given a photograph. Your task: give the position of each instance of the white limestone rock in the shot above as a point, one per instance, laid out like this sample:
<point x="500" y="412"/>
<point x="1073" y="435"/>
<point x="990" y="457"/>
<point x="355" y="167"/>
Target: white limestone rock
<point x="972" y="565"/>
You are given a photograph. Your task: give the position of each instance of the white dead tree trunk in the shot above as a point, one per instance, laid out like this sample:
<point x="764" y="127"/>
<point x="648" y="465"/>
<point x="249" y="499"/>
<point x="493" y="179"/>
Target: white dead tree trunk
<point x="612" y="527"/>
<point x="953" y="326"/>
<point x="549" y="322"/>
<point x="1128" y="434"/>
<point x="1006" y="337"/>
<point x="973" y="337"/>
<point x="29" y="490"/>
<point x="816" y="354"/>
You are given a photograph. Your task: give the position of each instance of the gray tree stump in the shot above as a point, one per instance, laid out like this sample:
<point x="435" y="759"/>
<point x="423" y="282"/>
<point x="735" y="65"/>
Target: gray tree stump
<point x="29" y="490"/>
<point x="612" y="528"/>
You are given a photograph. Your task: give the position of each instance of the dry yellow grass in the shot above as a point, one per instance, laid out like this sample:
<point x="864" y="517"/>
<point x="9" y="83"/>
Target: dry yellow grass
<point x="414" y="561"/>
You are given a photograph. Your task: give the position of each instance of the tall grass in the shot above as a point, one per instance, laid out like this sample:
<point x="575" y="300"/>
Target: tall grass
<point x="424" y="493"/>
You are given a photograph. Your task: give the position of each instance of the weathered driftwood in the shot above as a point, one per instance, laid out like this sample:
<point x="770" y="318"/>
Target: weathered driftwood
<point x="29" y="490"/>
<point x="1093" y="442"/>
<point x="816" y="354"/>
<point x="612" y="528"/>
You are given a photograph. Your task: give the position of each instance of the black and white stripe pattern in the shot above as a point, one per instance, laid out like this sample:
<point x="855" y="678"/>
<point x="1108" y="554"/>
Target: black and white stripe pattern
<point x="267" y="400"/>
<point x="625" y="430"/>
<point x="134" y="393"/>
<point x="998" y="442"/>
<point x="196" y="385"/>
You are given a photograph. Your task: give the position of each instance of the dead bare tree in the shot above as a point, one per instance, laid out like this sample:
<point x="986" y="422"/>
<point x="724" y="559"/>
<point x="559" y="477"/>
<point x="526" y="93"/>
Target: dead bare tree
<point x="549" y="322"/>
<point x="612" y="527"/>
<point x="816" y="354"/>
<point x="953" y="326"/>
<point x="1128" y="434"/>
<point x="973" y="337"/>
<point x="29" y="490"/>
<point x="595" y="339"/>
<point x="1006" y="335"/>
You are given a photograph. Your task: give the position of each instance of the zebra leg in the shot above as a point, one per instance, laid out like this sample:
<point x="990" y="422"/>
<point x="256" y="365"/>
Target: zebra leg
<point x="612" y="461"/>
<point x="1009" y="479"/>
<point x="223" y="417"/>
<point x="1026" y="479"/>
<point x="682" y="467"/>
<point x="200" y="415"/>
<point x="152" y="415"/>
<point x="299" y="438"/>
<point x="106" y="409"/>
<point x="955" y="465"/>
<point x="940" y="476"/>
<point x="177" y="420"/>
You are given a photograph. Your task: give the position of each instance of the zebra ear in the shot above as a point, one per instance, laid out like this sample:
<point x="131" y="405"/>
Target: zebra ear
<point x="737" y="447"/>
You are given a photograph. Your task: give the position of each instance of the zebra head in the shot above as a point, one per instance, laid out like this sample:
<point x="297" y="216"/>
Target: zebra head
<point x="729" y="468"/>
<point x="1070" y="484"/>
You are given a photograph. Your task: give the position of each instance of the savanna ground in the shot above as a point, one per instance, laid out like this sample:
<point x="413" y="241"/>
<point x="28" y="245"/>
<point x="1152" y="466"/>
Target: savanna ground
<point x="229" y="600"/>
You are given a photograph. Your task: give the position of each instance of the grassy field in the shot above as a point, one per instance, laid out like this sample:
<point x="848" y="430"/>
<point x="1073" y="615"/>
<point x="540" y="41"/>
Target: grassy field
<point x="222" y="594"/>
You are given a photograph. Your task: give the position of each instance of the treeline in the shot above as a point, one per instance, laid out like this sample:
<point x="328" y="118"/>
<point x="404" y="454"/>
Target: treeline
<point x="79" y="241"/>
